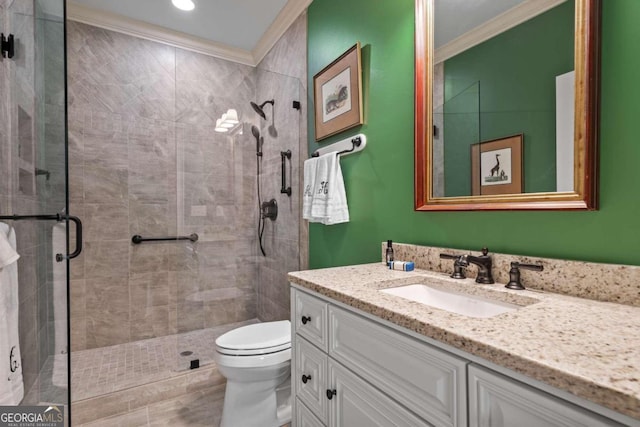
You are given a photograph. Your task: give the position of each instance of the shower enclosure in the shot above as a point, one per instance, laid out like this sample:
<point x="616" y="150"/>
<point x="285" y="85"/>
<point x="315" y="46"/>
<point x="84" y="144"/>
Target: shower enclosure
<point x="33" y="184"/>
<point x="145" y="159"/>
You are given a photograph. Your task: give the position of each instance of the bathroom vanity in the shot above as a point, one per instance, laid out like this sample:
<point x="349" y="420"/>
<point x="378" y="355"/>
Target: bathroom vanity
<point x="362" y="356"/>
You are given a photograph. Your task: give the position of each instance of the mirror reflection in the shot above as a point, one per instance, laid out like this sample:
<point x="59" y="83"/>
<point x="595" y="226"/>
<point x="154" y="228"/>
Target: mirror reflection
<point x="503" y="97"/>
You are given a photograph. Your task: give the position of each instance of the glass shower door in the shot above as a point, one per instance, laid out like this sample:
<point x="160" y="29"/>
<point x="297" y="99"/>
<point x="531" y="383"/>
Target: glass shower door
<point x="35" y="172"/>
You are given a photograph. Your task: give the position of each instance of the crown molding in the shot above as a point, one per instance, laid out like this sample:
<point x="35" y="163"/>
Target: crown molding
<point x="493" y="27"/>
<point x="289" y="13"/>
<point x="133" y="27"/>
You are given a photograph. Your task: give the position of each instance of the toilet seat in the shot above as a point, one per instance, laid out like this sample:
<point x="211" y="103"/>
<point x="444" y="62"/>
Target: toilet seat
<point x="257" y="339"/>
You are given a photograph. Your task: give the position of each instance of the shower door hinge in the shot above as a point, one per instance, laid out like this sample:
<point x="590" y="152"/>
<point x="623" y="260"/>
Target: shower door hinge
<point x="296" y="105"/>
<point x="7" y="46"/>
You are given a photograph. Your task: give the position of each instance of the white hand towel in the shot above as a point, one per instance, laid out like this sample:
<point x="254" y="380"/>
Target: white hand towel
<point x="8" y="254"/>
<point x="338" y="208"/>
<point x="329" y="202"/>
<point x="11" y="384"/>
<point x="309" y="177"/>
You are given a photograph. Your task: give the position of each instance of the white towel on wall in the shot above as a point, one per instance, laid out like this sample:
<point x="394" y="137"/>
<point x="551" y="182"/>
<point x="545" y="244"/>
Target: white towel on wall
<point x="11" y="383"/>
<point x="60" y="362"/>
<point x="309" y="183"/>
<point x="328" y="198"/>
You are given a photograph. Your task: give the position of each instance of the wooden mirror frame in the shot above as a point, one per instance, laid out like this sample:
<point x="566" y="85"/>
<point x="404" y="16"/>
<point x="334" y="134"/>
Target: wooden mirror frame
<point x="587" y="68"/>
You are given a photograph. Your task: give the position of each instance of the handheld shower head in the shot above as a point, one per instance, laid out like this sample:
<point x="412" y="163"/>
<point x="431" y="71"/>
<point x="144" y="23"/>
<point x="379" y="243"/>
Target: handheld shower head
<point x="260" y="108"/>
<point x="256" y="134"/>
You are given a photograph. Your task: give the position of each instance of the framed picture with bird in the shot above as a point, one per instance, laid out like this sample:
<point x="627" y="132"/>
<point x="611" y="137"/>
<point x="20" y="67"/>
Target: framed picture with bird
<point x="496" y="166"/>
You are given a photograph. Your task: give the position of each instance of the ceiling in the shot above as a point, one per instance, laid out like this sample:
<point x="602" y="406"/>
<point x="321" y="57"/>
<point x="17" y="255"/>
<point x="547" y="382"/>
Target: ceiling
<point x="454" y="18"/>
<point x="462" y="24"/>
<point x="244" y="27"/>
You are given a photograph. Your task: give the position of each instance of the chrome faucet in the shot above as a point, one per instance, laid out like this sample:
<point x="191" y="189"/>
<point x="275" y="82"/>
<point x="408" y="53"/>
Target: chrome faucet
<point x="484" y="264"/>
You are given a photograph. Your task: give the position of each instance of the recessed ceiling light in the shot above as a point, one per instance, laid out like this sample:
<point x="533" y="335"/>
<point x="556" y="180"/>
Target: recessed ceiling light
<point x="183" y="4"/>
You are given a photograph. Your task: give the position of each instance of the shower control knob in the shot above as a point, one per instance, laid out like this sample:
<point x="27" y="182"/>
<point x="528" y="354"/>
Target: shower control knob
<point x="305" y="378"/>
<point x="331" y="393"/>
<point x="306" y="319"/>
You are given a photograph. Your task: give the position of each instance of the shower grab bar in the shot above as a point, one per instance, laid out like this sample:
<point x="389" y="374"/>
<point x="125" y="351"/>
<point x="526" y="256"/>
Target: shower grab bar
<point x="59" y="218"/>
<point x="137" y="239"/>
<point x="285" y="190"/>
<point x="348" y="145"/>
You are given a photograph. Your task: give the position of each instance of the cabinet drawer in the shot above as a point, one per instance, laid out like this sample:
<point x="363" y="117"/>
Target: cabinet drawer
<point x="304" y="417"/>
<point x="311" y="318"/>
<point x="357" y="404"/>
<point x="497" y="401"/>
<point x="428" y="381"/>
<point x="312" y="363"/>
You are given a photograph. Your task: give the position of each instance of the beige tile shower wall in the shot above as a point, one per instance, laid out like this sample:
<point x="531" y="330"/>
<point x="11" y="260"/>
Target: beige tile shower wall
<point x="282" y="77"/>
<point x="144" y="159"/>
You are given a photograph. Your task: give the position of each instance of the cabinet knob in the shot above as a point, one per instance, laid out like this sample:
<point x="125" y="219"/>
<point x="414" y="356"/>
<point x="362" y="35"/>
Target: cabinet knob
<point x="305" y="378"/>
<point x="306" y="319"/>
<point x="331" y="393"/>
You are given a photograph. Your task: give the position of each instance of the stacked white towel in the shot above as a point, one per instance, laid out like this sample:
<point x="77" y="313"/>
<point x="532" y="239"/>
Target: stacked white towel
<point x="11" y="384"/>
<point x="324" y="199"/>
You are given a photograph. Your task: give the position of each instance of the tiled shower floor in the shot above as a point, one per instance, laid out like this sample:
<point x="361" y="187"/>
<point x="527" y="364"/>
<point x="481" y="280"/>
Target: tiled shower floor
<point x="105" y="370"/>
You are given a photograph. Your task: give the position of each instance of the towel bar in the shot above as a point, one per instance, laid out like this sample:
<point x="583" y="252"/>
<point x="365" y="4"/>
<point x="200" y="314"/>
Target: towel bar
<point x="346" y="146"/>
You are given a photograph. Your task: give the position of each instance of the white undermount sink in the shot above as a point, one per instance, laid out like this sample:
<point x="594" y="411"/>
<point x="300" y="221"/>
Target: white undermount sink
<point x="455" y="302"/>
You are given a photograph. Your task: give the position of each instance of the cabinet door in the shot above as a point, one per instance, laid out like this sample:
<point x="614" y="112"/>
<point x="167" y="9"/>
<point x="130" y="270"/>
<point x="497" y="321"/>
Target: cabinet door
<point x="312" y="364"/>
<point x="304" y="417"/>
<point x="497" y="401"/>
<point x="310" y="318"/>
<point x="428" y="381"/>
<point x="359" y="404"/>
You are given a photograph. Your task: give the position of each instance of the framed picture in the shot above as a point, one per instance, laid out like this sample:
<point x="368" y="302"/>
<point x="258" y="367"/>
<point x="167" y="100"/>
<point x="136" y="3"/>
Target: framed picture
<point x="496" y="166"/>
<point x="337" y="93"/>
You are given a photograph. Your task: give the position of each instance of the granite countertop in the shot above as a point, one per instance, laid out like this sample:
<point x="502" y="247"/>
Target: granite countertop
<point x="588" y="348"/>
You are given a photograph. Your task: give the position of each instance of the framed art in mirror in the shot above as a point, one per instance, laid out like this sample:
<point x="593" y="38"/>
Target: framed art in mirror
<point x="486" y="71"/>
<point x="496" y="166"/>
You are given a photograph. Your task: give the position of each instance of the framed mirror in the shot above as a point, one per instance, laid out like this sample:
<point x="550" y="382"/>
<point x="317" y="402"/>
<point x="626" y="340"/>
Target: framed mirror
<point x="506" y="104"/>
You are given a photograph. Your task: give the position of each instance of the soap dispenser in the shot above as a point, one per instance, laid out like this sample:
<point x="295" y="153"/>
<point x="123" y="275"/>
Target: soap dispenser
<point x="389" y="253"/>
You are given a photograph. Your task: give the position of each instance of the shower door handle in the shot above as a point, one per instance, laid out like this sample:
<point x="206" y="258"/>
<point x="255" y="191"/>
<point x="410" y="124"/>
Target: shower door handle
<point x="285" y="190"/>
<point x="78" y="224"/>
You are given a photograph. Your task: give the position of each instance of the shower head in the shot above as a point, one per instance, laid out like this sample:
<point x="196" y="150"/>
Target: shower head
<point x="256" y="135"/>
<point x="259" y="108"/>
<point x="255" y="131"/>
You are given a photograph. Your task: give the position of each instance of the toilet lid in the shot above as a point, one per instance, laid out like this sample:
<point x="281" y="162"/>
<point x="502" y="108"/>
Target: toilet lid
<point x="260" y="338"/>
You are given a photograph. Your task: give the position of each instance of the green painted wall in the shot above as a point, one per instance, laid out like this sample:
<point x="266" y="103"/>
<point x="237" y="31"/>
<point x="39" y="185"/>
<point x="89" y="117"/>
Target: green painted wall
<point x="516" y="72"/>
<point x="379" y="181"/>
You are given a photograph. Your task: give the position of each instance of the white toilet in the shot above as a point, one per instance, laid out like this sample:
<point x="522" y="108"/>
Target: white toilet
<point x="256" y="360"/>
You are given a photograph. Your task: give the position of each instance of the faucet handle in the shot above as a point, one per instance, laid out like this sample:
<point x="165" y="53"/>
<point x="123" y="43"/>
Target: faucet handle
<point x="485" y="251"/>
<point x="534" y="267"/>
<point x="459" y="263"/>
<point x="514" y="274"/>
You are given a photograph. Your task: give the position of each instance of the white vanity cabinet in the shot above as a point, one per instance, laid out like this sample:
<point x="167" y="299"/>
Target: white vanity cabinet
<point x="360" y="373"/>
<point x="499" y="401"/>
<point x="351" y="370"/>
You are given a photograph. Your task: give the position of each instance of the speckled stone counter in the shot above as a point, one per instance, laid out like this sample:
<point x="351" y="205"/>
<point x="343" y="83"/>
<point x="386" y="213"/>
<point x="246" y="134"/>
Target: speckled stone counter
<point x="588" y="348"/>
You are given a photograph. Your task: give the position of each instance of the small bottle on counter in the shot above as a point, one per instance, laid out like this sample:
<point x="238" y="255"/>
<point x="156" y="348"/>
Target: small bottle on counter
<point x="389" y="253"/>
